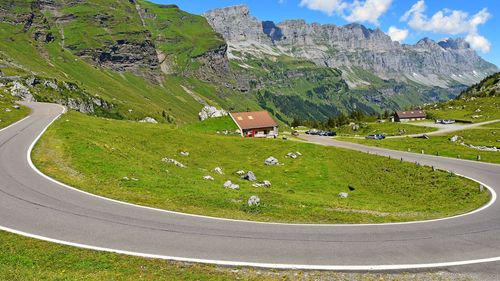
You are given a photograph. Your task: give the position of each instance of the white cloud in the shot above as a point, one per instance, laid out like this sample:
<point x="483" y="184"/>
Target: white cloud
<point x="450" y="22"/>
<point x="328" y="7"/>
<point x="478" y="42"/>
<point x="357" y="11"/>
<point x="397" y="34"/>
<point x="369" y="11"/>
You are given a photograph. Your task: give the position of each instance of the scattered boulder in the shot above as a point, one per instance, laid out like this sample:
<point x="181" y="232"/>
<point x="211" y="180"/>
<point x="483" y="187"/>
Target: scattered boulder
<point x="271" y="161"/>
<point x="173" y="161"/>
<point x="218" y="170"/>
<point x="229" y="184"/>
<point x="125" y="179"/>
<point x="240" y="173"/>
<point x="265" y="183"/>
<point x="185" y="153"/>
<point x="477" y="110"/>
<point x="21" y="91"/>
<point x="298" y="153"/>
<point x="292" y="155"/>
<point x="454" y="138"/>
<point x="16" y="106"/>
<point x="249" y="176"/>
<point x="208" y="178"/>
<point x="343" y="195"/>
<point x="211" y="112"/>
<point x="8" y="110"/>
<point x="149" y="120"/>
<point x="254" y="201"/>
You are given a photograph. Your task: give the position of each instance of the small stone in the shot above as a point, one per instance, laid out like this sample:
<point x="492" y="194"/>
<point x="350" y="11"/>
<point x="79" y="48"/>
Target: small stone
<point x="229" y="184"/>
<point x="218" y="170"/>
<point x="8" y="110"/>
<point x="185" y="153"/>
<point x="125" y="178"/>
<point x="298" y="153"/>
<point x="149" y="120"/>
<point x="173" y="161"/>
<point x="208" y="178"/>
<point x="265" y="183"/>
<point x="271" y="161"/>
<point x="249" y="176"/>
<point x="454" y="138"/>
<point x="134" y="179"/>
<point x="292" y="155"/>
<point x="343" y="195"/>
<point x="240" y="173"/>
<point x="254" y="201"/>
<point x="16" y="107"/>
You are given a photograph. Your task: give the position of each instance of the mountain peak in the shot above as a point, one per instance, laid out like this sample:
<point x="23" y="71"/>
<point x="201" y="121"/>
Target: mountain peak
<point x="455" y="44"/>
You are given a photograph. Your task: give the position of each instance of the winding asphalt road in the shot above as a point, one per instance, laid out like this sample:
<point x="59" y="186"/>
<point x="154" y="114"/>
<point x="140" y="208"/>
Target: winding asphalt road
<point x="35" y="206"/>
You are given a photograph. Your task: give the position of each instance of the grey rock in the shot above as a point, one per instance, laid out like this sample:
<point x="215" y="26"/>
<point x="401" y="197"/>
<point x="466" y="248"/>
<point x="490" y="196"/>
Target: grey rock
<point x="184" y="153"/>
<point x="211" y="112"/>
<point x="253" y="201"/>
<point x="208" y="178"/>
<point x="173" y="161"/>
<point x="21" y="91"/>
<point x="266" y="184"/>
<point x="271" y="161"/>
<point x="249" y="176"/>
<point x="229" y="184"/>
<point x="240" y="173"/>
<point x="343" y="195"/>
<point x="218" y="170"/>
<point x="149" y="120"/>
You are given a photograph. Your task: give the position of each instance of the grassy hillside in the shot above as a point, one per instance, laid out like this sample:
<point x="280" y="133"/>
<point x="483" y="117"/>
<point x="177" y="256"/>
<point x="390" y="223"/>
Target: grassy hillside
<point x="88" y="32"/>
<point x="99" y="156"/>
<point x="478" y="103"/>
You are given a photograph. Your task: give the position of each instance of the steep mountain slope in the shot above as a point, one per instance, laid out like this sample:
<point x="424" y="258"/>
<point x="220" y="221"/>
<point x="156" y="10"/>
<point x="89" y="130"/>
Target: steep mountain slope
<point x="427" y="62"/>
<point x="122" y="59"/>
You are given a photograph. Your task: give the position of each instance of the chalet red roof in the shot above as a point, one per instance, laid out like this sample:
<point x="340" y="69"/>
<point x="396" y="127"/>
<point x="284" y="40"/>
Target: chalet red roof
<point x="253" y="120"/>
<point x="411" y="114"/>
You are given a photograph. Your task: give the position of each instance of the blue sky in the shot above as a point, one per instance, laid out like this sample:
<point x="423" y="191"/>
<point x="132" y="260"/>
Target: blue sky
<point x="406" y="21"/>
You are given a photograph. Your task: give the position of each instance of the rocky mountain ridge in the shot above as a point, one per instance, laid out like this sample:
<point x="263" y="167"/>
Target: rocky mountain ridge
<point x="443" y="64"/>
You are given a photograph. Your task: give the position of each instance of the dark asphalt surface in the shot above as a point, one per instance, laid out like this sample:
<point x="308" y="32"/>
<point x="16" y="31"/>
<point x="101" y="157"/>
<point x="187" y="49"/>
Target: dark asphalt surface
<point x="33" y="204"/>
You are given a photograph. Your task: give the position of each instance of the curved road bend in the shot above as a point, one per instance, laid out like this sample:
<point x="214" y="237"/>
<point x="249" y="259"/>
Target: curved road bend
<point x="34" y="205"/>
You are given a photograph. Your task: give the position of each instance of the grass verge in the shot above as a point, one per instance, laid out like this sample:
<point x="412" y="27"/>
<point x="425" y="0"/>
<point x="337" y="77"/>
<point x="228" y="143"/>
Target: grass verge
<point x="29" y="259"/>
<point x="9" y="114"/>
<point x="122" y="160"/>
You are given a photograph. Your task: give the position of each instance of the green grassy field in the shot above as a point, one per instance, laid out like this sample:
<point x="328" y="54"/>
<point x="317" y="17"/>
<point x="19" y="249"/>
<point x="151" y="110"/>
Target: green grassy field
<point x="387" y="128"/>
<point x="96" y="154"/>
<point x="487" y="135"/>
<point x="8" y="114"/>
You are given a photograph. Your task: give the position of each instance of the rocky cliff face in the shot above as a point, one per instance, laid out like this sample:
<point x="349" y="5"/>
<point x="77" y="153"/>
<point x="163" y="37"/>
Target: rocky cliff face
<point x="352" y="46"/>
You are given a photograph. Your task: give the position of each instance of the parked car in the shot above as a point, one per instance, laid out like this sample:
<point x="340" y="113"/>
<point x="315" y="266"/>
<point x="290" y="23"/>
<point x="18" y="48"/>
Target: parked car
<point x="328" y="134"/>
<point x="312" y="132"/>
<point x="375" y="137"/>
